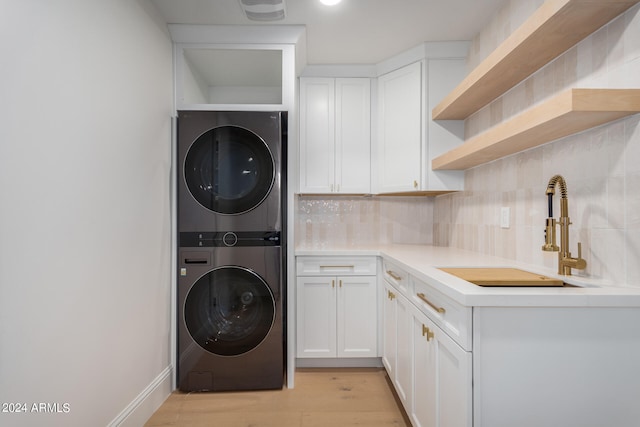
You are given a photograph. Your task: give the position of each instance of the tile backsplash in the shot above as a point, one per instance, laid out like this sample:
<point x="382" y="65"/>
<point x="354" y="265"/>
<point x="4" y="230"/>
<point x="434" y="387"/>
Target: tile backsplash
<point x="347" y="222"/>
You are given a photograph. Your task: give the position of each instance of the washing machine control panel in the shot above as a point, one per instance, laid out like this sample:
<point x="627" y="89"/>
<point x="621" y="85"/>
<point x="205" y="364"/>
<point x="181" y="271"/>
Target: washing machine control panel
<point x="229" y="238"/>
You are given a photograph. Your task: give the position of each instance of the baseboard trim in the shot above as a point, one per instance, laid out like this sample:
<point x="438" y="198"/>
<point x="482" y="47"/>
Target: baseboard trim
<point x="145" y="404"/>
<point x="360" y="362"/>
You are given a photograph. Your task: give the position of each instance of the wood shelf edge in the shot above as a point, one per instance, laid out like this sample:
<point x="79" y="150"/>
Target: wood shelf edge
<point x="569" y="112"/>
<point x="554" y="27"/>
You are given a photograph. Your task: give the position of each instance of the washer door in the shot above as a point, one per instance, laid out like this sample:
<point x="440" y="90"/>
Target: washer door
<point x="229" y="311"/>
<point x="229" y="170"/>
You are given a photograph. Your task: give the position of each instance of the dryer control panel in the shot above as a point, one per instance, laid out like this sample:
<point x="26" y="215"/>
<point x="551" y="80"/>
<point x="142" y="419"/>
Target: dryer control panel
<point x="230" y="238"/>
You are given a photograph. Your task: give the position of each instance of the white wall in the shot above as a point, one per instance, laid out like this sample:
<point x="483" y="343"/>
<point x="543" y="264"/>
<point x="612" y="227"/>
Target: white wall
<point x="85" y="261"/>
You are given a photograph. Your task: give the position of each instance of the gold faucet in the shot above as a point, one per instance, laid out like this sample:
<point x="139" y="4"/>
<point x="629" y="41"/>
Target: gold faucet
<point x="565" y="261"/>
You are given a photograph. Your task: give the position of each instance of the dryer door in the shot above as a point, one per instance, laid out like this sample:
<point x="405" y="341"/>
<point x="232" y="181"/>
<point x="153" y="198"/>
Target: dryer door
<point x="229" y="170"/>
<point x="229" y="311"/>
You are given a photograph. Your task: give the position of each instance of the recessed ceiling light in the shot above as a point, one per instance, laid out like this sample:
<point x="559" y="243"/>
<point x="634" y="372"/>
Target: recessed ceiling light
<point x="330" y="2"/>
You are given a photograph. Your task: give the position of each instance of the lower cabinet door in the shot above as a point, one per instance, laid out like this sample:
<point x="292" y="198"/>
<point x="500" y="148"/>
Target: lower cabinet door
<point x="357" y="316"/>
<point x="389" y="326"/>
<point x="424" y="368"/>
<point x="442" y="377"/>
<point x="336" y="316"/>
<point x="316" y="317"/>
<point x="404" y="374"/>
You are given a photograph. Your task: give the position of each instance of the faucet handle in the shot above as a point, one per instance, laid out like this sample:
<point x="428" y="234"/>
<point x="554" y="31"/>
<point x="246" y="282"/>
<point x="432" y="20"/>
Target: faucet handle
<point x="579" y="249"/>
<point x="581" y="264"/>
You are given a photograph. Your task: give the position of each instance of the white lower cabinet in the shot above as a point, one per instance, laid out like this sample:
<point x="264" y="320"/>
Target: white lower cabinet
<point x="336" y="307"/>
<point x="397" y="342"/>
<point x="484" y="366"/>
<point x="442" y="377"/>
<point x="389" y="327"/>
<point x="556" y="366"/>
<point x="431" y="372"/>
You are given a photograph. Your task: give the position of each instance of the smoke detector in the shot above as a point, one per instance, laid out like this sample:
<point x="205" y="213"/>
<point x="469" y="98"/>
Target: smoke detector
<point x="263" y="10"/>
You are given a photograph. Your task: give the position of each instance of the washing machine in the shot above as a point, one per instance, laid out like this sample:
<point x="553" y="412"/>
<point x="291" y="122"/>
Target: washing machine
<point x="230" y="314"/>
<point x="230" y="170"/>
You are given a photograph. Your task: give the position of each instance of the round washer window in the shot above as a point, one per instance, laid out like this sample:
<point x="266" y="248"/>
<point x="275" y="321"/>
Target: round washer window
<point x="229" y="170"/>
<point x="229" y="311"/>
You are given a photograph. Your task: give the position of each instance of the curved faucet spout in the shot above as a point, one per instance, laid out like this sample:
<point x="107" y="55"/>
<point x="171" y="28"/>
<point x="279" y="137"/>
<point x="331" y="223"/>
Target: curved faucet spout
<point x="565" y="261"/>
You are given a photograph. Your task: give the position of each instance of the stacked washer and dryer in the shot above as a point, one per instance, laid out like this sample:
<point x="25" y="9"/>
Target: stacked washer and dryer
<point x="231" y="263"/>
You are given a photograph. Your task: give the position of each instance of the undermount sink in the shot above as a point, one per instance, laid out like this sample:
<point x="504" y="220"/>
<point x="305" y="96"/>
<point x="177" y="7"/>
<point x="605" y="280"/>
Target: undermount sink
<point x="501" y="276"/>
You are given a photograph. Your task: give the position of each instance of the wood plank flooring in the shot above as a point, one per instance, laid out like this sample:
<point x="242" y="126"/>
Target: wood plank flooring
<point x="321" y="398"/>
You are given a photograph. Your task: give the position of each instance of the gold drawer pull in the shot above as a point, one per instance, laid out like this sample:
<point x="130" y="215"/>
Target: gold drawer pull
<point x="391" y="295"/>
<point x="337" y="266"/>
<point x="393" y="275"/>
<point x="430" y="304"/>
<point x="428" y="332"/>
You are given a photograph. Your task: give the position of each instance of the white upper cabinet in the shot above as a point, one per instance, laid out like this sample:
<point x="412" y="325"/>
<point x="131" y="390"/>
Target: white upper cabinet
<point x="317" y="135"/>
<point x="353" y="135"/>
<point x="399" y="129"/>
<point x="335" y="135"/>
<point x="407" y="137"/>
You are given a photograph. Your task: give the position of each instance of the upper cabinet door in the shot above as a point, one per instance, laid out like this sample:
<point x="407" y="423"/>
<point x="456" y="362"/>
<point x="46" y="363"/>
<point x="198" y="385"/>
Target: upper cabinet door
<point x="353" y="135"/>
<point x="317" y="135"/>
<point x="400" y="129"/>
<point x="335" y="135"/>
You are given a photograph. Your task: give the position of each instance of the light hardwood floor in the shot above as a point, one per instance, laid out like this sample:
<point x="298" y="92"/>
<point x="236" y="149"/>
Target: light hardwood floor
<point x="320" y="398"/>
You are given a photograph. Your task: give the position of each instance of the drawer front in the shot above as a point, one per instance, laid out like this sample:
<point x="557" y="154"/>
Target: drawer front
<point x="336" y="265"/>
<point x="453" y="318"/>
<point x="396" y="276"/>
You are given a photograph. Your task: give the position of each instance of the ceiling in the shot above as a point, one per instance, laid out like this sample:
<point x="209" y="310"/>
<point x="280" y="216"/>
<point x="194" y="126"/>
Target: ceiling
<point x="354" y="31"/>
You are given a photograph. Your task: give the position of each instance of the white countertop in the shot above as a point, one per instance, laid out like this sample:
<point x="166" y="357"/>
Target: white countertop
<point x="423" y="262"/>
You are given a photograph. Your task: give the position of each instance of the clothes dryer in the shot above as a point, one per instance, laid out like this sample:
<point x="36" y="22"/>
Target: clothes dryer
<point x="230" y="170"/>
<point x="230" y="316"/>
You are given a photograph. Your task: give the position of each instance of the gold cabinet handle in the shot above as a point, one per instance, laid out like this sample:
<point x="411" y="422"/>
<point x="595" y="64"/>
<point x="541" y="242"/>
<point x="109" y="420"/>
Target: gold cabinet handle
<point x="337" y="266"/>
<point x="393" y="275"/>
<point x="415" y="184"/>
<point x="333" y="283"/>
<point x="427" y="332"/>
<point x="430" y="304"/>
<point x="340" y="282"/>
<point x="391" y="295"/>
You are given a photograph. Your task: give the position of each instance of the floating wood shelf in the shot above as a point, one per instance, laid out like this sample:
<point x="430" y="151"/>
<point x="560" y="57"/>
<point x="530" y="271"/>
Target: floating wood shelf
<point x="569" y="112"/>
<point x="555" y="27"/>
